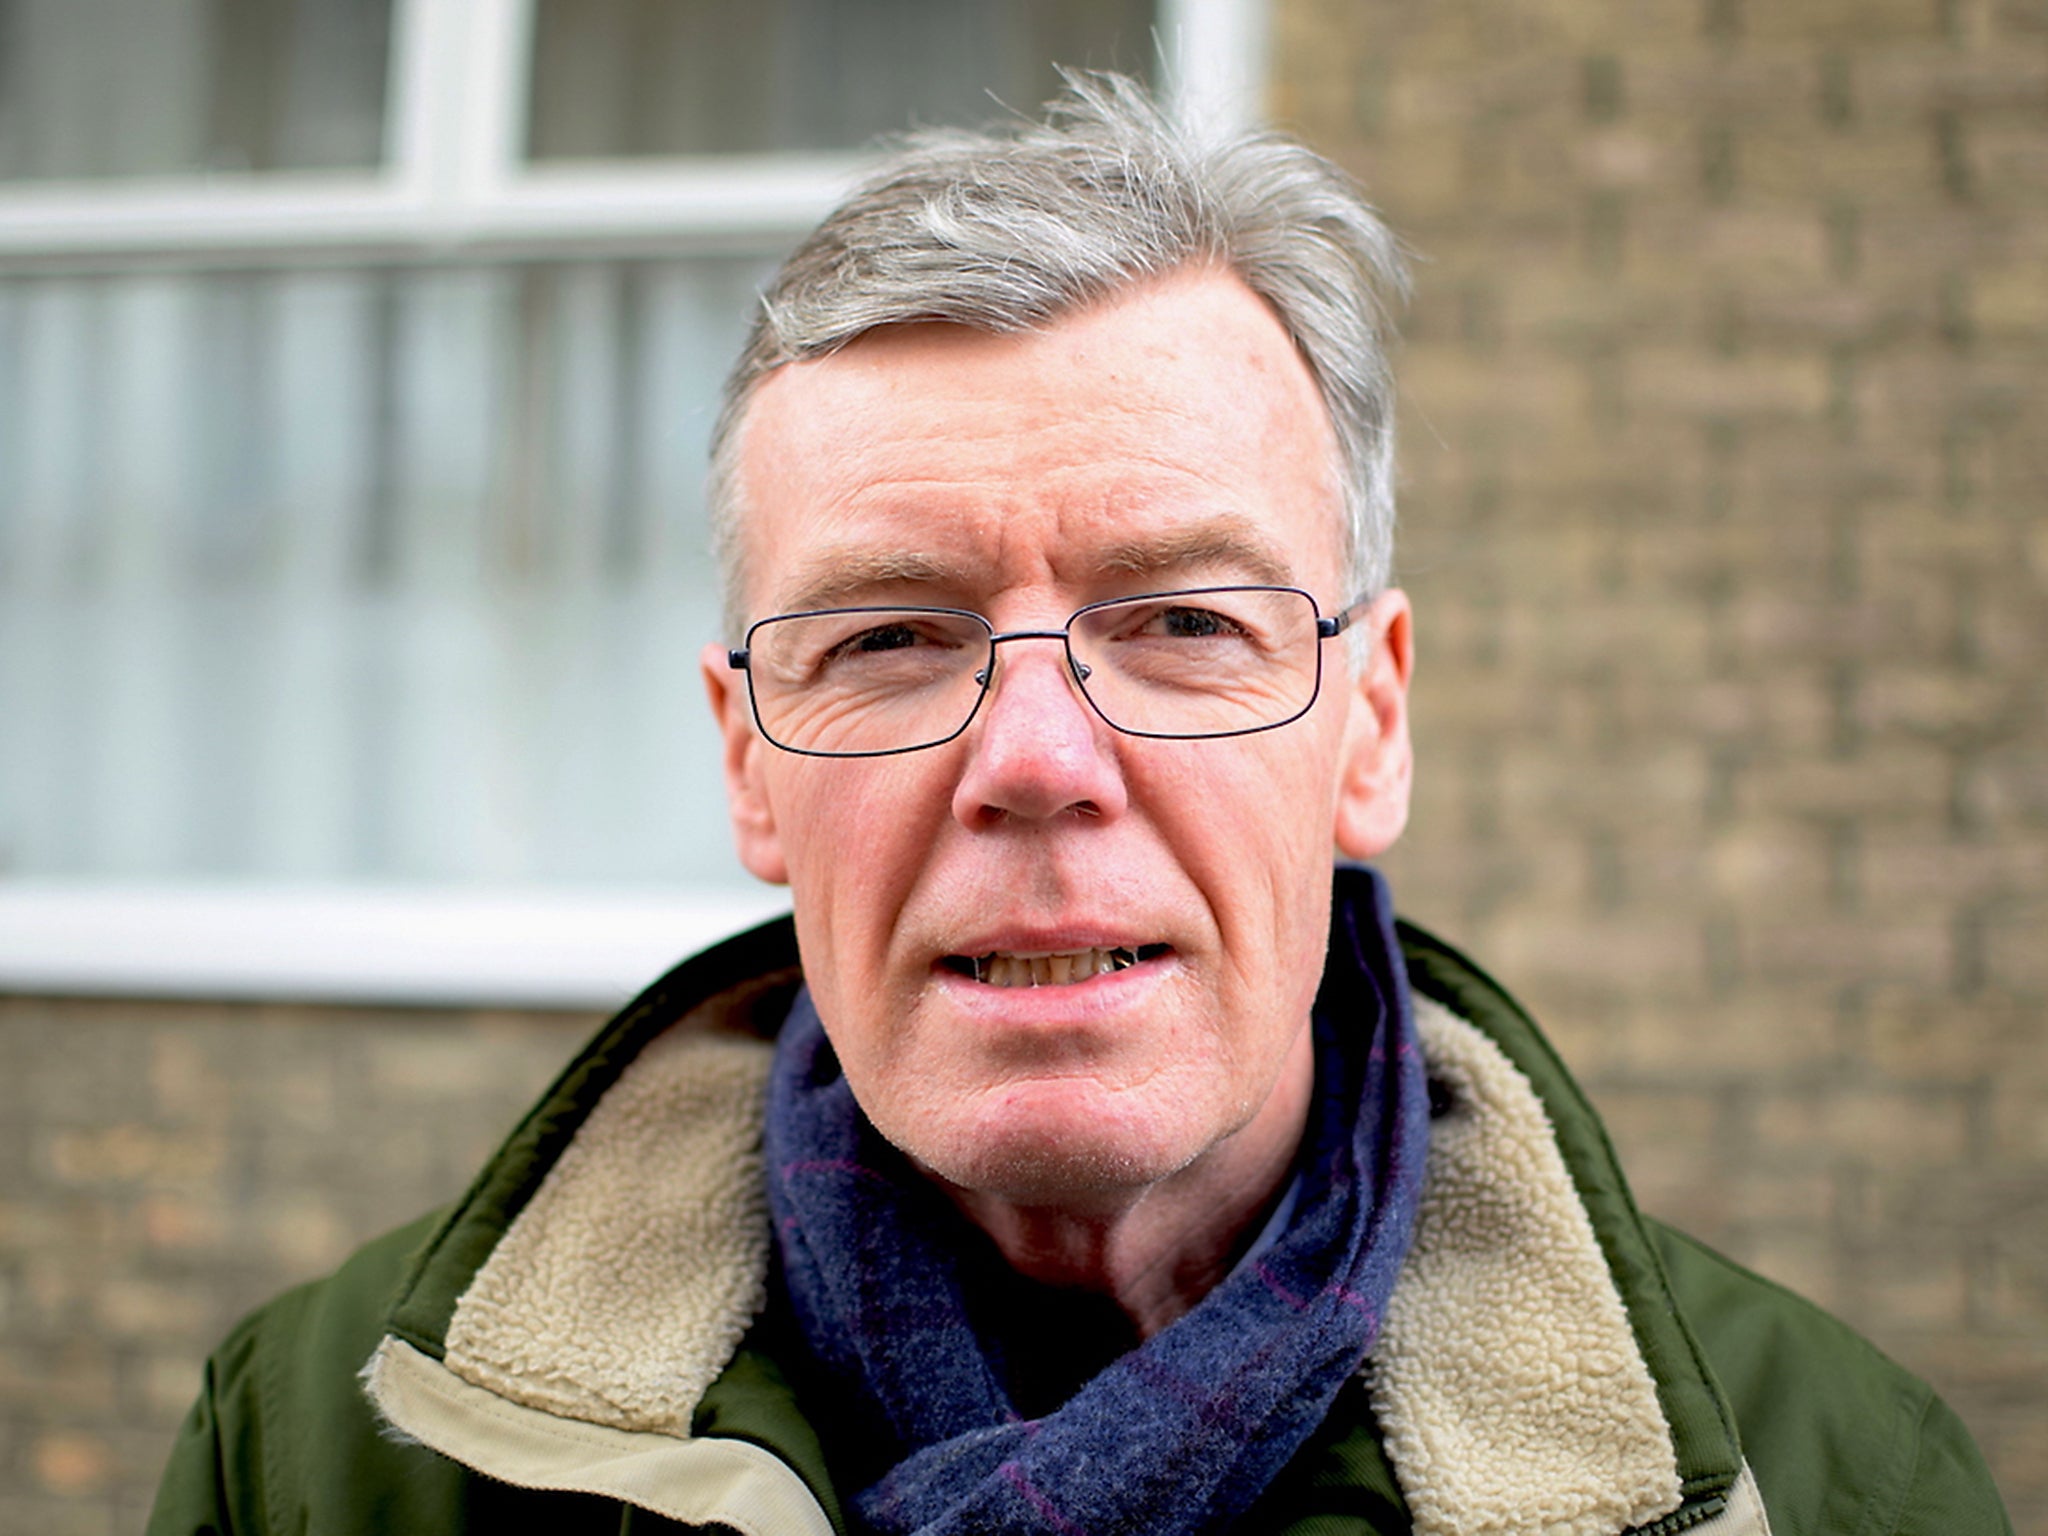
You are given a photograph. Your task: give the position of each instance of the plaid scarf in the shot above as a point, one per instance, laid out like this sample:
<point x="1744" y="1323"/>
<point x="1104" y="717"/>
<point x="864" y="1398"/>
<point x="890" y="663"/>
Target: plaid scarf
<point x="1181" y="1433"/>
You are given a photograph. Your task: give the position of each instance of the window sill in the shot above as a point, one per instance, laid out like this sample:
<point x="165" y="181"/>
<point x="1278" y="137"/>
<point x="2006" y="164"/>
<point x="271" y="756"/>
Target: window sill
<point x="449" y="946"/>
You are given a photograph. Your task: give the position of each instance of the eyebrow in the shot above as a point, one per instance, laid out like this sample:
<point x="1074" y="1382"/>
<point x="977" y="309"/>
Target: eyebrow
<point x="846" y="575"/>
<point x="1234" y="543"/>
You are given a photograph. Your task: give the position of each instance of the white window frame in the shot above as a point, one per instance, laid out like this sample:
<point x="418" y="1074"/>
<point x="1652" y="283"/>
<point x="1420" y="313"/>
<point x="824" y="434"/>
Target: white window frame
<point x="454" y="185"/>
<point x="455" y="182"/>
<point x="532" y="947"/>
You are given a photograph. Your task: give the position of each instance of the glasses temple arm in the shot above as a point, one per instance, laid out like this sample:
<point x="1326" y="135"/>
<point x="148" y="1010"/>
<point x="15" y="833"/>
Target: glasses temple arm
<point x="1337" y="623"/>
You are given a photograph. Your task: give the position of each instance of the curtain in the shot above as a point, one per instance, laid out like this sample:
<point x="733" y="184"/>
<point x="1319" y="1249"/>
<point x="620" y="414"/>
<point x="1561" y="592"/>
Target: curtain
<point x="361" y="574"/>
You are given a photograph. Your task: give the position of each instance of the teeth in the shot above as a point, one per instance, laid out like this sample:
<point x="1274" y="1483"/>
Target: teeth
<point x="1000" y="970"/>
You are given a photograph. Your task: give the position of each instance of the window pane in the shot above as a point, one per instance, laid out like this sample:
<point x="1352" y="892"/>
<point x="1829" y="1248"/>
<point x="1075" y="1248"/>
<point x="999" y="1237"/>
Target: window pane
<point x="622" y="78"/>
<point x="93" y="88"/>
<point x="362" y="574"/>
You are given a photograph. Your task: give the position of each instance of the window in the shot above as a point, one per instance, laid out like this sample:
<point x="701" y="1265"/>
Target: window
<point x="356" y="361"/>
<point x="633" y="79"/>
<point x="91" y="90"/>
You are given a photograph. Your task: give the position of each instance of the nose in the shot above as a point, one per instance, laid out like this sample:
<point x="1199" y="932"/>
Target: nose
<point x="1036" y="748"/>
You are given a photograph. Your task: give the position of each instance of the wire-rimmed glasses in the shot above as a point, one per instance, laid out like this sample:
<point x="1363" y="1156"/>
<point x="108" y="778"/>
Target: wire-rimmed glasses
<point x="867" y="682"/>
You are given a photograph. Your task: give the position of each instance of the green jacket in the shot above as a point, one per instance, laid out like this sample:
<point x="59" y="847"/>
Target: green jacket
<point x="575" y="1344"/>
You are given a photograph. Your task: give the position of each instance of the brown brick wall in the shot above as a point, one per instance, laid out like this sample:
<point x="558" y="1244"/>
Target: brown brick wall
<point x="1726" y="518"/>
<point x="165" y="1167"/>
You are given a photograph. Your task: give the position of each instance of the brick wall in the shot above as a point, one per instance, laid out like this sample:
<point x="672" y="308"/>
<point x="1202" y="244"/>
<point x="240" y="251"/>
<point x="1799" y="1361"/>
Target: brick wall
<point x="165" y="1167"/>
<point x="1726" y="518"/>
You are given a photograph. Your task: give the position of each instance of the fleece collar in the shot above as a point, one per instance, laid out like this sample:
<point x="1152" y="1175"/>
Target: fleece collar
<point x="564" y="1325"/>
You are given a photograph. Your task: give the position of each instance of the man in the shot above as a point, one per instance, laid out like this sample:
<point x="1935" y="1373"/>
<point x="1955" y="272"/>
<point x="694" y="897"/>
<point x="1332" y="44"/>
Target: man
<point x="1083" y="1158"/>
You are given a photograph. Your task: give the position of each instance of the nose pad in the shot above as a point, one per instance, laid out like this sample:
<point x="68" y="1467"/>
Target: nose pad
<point x="1080" y="669"/>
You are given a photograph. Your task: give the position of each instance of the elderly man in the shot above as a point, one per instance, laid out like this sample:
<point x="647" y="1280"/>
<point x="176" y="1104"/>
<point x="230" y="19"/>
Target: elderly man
<point x="1085" y="1157"/>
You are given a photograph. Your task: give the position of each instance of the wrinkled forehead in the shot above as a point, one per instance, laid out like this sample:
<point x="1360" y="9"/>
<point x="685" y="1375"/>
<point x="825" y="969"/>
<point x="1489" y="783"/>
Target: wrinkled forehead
<point x="1179" y="414"/>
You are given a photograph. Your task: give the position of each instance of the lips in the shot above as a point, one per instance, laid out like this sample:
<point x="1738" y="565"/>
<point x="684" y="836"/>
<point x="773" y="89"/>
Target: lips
<point x="1002" y="969"/>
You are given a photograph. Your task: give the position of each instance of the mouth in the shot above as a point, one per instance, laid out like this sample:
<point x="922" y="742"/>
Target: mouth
<point x="1001" y="969"/>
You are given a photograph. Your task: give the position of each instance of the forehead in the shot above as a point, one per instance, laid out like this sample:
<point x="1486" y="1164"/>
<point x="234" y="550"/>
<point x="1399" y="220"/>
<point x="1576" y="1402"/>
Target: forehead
<point x="1175" y="426"/>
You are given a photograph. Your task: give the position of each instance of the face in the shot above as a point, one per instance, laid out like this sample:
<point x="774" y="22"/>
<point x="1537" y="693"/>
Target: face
<point x="1170" y="438"/>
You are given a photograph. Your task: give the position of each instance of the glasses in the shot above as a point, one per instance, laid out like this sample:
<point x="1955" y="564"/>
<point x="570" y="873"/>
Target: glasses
<point x="867" y="682"/>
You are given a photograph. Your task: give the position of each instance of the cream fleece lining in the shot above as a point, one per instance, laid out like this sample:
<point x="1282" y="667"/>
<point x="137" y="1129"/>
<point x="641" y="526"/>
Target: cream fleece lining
<point x="622" y="1289"/>
<point x="1507" y="1380"/>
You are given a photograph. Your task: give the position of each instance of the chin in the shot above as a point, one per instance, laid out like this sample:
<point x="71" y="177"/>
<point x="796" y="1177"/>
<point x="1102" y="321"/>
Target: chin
<point x="1040" y="1157"/>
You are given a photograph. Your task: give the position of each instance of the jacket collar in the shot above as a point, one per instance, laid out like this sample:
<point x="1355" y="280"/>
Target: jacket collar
<point x="563" y="1326"/>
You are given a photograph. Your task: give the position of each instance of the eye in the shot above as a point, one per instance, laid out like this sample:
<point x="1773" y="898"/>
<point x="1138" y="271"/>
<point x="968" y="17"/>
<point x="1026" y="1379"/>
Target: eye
<point x="1198" y="623"/>
<point x="1184" y="622"/>
<point x="888" y="647"/>
<point x="882" y="637"/>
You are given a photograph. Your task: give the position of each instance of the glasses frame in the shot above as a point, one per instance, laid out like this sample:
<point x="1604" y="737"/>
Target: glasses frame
<point x="1328" y="626"/>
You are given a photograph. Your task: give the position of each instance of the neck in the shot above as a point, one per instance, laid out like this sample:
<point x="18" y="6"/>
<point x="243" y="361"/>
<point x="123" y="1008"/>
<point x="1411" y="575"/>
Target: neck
<point x="1158" y="1249"/>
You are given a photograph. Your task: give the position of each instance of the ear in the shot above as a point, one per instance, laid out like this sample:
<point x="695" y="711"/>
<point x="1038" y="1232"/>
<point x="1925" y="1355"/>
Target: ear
<point x="1379" y="759"/>
<point x="753" y="818"/>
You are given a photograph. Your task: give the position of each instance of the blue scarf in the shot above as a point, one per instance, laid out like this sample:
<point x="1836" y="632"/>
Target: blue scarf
<point x="1181" y="1433"/>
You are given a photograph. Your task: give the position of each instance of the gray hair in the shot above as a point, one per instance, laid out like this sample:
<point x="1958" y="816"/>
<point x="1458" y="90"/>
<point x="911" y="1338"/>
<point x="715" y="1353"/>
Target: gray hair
<point x="1011" y="228"/>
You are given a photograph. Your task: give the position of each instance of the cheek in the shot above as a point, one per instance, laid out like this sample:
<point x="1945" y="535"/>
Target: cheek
<point x="1253" y="829"/>
<point x="856" y="834"/>
<point x="1253" y="811"/>
<point x="830" y="808"/>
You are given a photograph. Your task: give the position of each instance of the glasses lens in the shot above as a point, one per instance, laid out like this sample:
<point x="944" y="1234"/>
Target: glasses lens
<point x="1208" y="663"/>
<point x="862" y="680"/>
